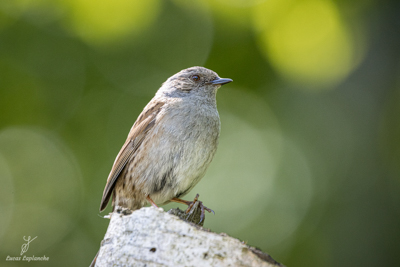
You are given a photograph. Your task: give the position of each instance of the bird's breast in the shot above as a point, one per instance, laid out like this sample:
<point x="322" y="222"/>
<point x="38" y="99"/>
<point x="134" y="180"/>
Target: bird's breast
<point x="188" y="144"/>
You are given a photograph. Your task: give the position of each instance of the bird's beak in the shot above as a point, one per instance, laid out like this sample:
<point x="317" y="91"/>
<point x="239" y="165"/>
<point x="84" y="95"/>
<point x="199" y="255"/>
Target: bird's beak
<point x="221" y="81"/>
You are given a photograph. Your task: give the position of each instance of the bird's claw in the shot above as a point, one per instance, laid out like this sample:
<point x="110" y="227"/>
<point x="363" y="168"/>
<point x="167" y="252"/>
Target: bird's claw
<point x="202" y="207"/>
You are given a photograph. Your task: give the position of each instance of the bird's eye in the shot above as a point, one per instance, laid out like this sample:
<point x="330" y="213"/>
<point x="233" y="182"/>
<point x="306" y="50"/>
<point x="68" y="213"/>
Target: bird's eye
<point x="196" y="78"/>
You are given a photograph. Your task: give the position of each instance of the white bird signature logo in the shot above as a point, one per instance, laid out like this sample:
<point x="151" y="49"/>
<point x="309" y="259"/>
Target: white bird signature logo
<point x="24" y="247"/>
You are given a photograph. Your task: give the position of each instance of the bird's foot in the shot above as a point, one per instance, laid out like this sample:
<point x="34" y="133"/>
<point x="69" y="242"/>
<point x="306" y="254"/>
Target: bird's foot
<point x="122" y="210"/>
<point x="193" y="205"/>
<point x="151" y="202"/>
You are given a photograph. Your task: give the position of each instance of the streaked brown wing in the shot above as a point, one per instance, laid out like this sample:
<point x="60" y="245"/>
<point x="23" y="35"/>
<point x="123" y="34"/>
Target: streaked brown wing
<point x="138" y="133"/>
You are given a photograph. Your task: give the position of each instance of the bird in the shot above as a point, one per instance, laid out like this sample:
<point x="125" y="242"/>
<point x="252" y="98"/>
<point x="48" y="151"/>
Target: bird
<point x="170" y="145"/>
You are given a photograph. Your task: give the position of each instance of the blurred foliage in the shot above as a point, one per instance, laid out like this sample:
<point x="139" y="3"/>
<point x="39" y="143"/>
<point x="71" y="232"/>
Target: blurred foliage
<point x="308" y="163"/>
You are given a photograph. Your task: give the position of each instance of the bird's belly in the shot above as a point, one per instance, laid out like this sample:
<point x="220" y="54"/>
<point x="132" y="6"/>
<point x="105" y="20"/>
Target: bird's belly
<point x="180" y="163"/>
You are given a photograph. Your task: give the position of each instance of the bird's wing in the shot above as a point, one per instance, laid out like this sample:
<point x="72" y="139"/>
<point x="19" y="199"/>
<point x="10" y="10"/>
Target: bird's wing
<point x="138" y="133"/>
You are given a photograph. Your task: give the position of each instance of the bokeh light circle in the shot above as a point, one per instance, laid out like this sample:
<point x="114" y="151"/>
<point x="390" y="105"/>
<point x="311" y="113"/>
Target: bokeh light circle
<point x="47" y="186"/>
<point x="308" y="42"/>
<point x="103" y="22"/>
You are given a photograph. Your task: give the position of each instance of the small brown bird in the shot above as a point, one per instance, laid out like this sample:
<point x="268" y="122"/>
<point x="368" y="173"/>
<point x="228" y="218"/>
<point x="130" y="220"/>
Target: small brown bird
<point x="170" y="145"/>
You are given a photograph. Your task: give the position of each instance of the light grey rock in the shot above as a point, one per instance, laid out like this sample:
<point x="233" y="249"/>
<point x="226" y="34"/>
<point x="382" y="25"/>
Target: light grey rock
<point x="151" y="237"/>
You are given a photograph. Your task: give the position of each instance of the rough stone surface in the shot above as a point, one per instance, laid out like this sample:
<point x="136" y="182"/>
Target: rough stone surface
<point x="152" y="237"/>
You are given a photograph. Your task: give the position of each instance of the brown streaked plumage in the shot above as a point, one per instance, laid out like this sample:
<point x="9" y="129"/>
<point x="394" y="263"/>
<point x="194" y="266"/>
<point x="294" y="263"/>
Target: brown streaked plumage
<point x="138" y="132"/>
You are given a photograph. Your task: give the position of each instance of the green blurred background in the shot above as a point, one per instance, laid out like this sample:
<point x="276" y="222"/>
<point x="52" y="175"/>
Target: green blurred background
<point x="308" y="163"/>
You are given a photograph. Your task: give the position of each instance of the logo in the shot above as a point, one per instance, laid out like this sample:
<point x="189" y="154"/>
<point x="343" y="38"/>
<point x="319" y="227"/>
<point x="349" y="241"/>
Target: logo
<point x="24" y="249"/>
